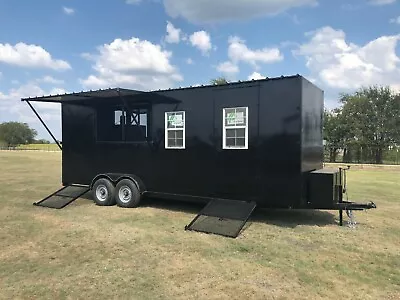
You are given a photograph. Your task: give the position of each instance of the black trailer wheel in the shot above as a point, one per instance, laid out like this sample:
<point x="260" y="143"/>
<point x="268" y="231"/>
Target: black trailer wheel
<point x="103" y="192"/>
<point x="127" y="193"/>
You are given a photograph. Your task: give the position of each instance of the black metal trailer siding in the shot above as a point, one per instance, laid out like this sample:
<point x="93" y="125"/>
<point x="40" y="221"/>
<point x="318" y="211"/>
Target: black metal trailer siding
<point x="312" y="151"/>
<point x="269" y="172"/>
<point x="278" y="150"/>
<point x="78" y="142"/>
<point x="311" y="135"/>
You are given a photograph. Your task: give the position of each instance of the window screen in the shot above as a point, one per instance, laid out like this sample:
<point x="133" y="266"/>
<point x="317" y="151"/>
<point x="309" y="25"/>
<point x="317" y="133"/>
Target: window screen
<point x="175" y="130"/>
<point x="235" y="128"/>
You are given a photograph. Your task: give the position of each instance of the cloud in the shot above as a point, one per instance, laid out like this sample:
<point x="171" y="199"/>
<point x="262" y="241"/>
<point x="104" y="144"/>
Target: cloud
<point x="381" y="2"/>
<point x="132" y="63"/>
<point x="30" y="56"/>
<point x="201" y="40"/>
<point x="341" y="64"/>
<point x="50" y="79"/>
<point x="189" y="61"/>
<point x="395" y="20"/>
<point x="173" y="34"/>
<point x="228" y="68"/>
<point x="239" y="52"/>
<point x="10" y="102"/>
<point x="68" y="10"/>
<point x="255" y="76"/>
<point x="212" y="11"/>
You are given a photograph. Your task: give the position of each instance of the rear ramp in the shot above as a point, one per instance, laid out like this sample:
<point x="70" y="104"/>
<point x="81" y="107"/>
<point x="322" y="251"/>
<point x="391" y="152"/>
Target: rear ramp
<point x="222" y="217"/>
<point x="63" y="196"/>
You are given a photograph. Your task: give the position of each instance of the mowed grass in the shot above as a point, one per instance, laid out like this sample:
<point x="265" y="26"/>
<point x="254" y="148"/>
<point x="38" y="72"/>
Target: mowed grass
<point x="43" y="147"/>
<point x="89" y="252"/>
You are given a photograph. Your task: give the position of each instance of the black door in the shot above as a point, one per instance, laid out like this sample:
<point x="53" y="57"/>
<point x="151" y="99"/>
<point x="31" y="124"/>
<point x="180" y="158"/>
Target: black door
<point x="236" y="137"/>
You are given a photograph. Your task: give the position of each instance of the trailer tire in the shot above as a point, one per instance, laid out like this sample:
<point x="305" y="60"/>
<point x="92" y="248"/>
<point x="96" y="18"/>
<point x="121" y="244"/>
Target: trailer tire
<point x="127" y="194"/>
<point x="103" y="192"/>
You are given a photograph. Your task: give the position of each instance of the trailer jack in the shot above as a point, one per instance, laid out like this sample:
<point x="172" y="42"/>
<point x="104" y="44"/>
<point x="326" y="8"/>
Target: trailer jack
<point x="351" y="222"/>
<point x="348" y="206"/>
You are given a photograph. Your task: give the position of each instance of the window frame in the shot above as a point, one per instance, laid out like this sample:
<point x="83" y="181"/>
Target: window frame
<point x="127" y="121"/>
<point x="183" y="129"/>
<point x="226" y="127"/>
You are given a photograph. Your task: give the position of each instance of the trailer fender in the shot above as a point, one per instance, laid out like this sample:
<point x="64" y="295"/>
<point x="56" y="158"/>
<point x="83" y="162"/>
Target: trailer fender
<point x="99" y="176"/>
<point x="136" y="180"/>
<point x="115" y="178"/>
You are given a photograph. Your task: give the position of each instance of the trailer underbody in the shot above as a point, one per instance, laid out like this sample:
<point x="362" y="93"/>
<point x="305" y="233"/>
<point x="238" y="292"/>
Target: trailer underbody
<point x="224" y="217"/>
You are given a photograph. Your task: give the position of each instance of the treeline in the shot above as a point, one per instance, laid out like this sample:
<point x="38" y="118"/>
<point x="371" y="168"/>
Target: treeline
<point x="13" y="134"/>
<point x="365" y="127"/>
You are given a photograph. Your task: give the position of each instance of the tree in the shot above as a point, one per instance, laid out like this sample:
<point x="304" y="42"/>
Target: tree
<point x="16" y="133"/>
<point x="332" y="135"/>
<point x="41" y="141"/>
<point x="219" y="80"/>
<point x="336" y="132"/>
<point x="372" y="116"/>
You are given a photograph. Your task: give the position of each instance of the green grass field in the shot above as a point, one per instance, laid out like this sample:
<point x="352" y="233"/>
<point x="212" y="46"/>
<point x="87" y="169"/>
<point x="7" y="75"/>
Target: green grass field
<point x="85" y="251"/>
<point x="43" y="147"/>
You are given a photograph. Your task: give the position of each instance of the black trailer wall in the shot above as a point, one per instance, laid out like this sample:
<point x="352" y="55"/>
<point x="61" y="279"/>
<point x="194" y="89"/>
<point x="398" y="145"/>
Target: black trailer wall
<point x="269" y="171"/>
<point x="312" y="122"/>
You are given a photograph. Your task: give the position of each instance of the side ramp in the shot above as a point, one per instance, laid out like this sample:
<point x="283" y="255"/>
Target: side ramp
<point x="63" y="196"/>
<point x="222" y="217"/>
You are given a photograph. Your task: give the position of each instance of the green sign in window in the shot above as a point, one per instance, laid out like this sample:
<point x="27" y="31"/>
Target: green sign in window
<point x="175" y="120"/>
<point x="235" y="118"/>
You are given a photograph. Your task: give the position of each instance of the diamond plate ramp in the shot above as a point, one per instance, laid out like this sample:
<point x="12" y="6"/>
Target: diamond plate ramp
<point x="63" y="196"/>
<point x="222" y="217"/>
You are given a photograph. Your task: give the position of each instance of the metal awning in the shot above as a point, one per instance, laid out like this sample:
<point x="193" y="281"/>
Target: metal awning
<point x="110" y="95"/>
<point x="84" y="95"/>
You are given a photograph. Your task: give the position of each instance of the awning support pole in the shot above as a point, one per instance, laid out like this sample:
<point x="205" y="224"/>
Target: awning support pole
<point x="44" y="124"/>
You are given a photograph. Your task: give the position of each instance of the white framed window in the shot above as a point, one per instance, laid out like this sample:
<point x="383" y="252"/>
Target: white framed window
<point x="175" y="130"/>
<point x="235" y="128"/>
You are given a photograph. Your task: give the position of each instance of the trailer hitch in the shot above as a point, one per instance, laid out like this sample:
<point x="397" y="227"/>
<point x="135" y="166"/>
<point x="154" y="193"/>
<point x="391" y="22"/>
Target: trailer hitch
<point x="351" y="207"/>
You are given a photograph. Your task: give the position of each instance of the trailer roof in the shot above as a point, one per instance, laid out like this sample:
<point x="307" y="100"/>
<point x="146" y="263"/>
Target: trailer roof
<point x="104" y="95"/>
<point x="85" y="96"/>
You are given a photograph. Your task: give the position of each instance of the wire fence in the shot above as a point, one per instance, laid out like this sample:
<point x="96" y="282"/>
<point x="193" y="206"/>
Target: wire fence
<point x="360" y="155"/>
<point x="33" y="147"/>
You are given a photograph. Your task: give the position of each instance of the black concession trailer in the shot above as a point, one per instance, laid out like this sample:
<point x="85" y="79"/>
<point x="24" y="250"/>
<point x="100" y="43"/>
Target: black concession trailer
<point x="233" y="146"/>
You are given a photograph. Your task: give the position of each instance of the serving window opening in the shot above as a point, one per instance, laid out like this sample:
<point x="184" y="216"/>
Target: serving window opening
<point x="117" y="124"/>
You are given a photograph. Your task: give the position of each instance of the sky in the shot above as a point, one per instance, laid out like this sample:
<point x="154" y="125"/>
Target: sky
<point x="59" y="46"/>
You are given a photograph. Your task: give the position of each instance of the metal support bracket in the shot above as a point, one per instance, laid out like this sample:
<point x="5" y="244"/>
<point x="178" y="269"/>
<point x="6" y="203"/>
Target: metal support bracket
<point x="44" y="124"/>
